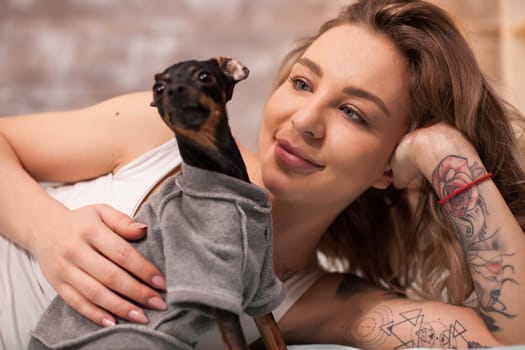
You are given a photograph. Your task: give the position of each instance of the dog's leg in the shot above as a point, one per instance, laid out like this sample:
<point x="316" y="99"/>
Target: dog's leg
<point x="231" y="331"/>
<point x="270" y="333"/>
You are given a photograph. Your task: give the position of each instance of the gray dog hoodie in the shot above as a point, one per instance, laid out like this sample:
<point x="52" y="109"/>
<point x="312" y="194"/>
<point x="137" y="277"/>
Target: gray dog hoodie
<point x="211" y="236"/>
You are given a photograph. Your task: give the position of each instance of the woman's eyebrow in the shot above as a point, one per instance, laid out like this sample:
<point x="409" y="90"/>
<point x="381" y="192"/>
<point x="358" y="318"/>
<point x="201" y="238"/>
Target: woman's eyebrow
<point x="314" y="67"/>
<point x="349" y="90"/>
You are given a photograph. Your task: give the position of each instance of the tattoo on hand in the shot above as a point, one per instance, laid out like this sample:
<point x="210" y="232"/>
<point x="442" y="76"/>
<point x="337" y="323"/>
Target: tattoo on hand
<point x="380" y="328"/>
<point x="482" y="248"/>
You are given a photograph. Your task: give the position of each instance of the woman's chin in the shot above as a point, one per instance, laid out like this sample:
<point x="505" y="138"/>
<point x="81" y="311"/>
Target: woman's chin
<point x="276" y="182"/>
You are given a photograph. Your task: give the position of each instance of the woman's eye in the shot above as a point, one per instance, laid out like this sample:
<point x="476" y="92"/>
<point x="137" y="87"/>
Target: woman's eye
<point x="353" y="114"/>
<point x="300" y="84"/>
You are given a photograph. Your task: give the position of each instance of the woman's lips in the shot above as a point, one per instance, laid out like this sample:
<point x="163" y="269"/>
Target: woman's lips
<point x="294" y="158"/>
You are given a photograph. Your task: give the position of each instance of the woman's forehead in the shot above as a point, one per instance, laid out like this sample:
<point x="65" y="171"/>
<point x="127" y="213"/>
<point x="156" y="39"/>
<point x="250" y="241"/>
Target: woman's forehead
<point x="356" y="56"/>
<point x="354" y="44"/>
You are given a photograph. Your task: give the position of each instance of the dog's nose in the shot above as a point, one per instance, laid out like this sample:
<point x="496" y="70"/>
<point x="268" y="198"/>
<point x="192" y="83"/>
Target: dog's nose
<point x="177" y="90"/>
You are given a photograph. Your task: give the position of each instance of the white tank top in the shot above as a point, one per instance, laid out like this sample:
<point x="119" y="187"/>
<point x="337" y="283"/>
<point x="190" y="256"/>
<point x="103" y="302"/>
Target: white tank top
<point x="128" y="187"/>
<point x="125" y="189"/>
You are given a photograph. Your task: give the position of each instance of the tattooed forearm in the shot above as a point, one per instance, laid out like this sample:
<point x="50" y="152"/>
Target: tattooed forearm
<point x="469" y="214"/>
<point x="451" y="174"/>
<point x="382" y="328"/>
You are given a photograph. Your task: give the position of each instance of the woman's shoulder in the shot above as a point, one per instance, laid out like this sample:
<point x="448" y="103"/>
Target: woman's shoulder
<point x="137" y="126"/>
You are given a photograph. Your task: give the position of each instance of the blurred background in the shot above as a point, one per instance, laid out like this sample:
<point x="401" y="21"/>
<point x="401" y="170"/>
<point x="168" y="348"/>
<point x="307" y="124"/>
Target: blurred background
<point x="63" y="54"/>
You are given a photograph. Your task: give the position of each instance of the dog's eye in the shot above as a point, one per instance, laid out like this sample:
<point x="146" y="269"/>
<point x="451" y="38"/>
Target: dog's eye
<point x="205" y="77"/>
<point x="159" y="89"/>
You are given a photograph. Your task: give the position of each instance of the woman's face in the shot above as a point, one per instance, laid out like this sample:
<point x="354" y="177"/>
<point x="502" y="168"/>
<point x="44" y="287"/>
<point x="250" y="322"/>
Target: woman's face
<point x="329" y="130"/>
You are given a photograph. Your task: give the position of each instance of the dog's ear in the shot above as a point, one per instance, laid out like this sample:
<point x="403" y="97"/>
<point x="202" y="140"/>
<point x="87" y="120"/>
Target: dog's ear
<point x="232" y="68"/>
<point x="234" y="71"/>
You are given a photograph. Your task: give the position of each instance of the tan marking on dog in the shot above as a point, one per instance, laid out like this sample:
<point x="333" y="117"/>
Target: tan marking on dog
<point x="205" y="136"/>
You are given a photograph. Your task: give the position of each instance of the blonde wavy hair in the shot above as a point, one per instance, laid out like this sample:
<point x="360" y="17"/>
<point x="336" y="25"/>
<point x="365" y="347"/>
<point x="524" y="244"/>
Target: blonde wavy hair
<point x="400" y="239"/>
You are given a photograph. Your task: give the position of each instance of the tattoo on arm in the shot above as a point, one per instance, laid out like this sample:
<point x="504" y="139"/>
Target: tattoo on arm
<point x="382" y="328"/>
<point x="407" y="327"/>
<point x="484" y="253"/>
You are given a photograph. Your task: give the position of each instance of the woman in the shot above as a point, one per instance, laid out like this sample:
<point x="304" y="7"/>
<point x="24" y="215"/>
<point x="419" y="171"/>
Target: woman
<point x="386" y="92"/>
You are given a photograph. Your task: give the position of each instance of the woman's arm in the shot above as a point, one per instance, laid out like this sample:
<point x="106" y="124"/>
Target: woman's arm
<point x="343" y="309"/>
<point x="492" y="239"/>
<point x="78" y="251"/>
<point x="346" y="310"/>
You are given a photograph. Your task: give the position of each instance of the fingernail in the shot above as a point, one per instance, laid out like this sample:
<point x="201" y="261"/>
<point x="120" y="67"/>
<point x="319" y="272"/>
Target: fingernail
<point x="137" y="316"/>
<point x="108" y="322"/>
<point x="157" y="303"/>
<point x="139" y="225"/>
<point x="159" y="282"/>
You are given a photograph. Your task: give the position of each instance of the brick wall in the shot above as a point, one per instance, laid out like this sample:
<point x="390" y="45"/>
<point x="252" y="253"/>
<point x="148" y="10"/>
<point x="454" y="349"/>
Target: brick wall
<point x="61" y="54"/>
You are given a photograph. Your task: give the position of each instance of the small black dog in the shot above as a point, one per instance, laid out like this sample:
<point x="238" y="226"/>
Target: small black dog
<point x="191" y="98"/>
<point x="209" y="232"/>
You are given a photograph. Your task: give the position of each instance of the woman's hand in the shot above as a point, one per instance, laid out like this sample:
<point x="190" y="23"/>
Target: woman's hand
<point x="420" y="151"/>
<point x="90" y="264"/>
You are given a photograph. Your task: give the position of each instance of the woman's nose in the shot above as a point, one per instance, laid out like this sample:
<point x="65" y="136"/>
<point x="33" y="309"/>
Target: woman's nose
<point x="308" y="121"/>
